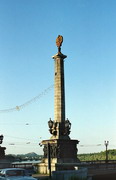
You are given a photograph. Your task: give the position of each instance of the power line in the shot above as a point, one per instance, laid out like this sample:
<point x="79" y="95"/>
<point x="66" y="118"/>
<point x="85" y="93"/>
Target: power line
<point x="19" y="124"/>
<point x="37" y="139"/>
<point x="21" y="143"/>
<point x="90" y="145"/>
<point x="17" y="108"/>
<point x="94" y="145"/>
<point x="29" y="139"/>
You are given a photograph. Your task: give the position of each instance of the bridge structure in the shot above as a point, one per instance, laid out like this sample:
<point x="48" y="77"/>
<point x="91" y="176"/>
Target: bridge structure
<point x="100" y="170"/>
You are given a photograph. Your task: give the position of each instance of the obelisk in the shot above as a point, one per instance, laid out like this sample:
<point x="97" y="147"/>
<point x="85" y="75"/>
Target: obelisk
<point x="63" y="150"/>
<point x="60" y="127"/>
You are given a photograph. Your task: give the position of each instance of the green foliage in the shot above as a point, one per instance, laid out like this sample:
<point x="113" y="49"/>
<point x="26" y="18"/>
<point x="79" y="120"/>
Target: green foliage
<point x="98" y="156"/>
<point x="25" y="157"/>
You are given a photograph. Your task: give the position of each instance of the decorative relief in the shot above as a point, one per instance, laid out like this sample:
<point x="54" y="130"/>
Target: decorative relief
<point x="67" y="127"/>
<point x="54" y="151"/>
<point x="60" y="150"/>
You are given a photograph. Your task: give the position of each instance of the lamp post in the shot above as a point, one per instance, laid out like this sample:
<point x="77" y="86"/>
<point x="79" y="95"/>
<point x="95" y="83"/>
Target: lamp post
<point x="49" y="159"/>
<point x="106" y="144"/>
<point x="1" y="139"/>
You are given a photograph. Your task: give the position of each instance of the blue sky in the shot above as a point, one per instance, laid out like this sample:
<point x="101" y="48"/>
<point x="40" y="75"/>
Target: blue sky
<point x="28" y="30"/>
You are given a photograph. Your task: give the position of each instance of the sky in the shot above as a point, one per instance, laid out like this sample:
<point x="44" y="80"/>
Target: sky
<point x="28" y="31"/>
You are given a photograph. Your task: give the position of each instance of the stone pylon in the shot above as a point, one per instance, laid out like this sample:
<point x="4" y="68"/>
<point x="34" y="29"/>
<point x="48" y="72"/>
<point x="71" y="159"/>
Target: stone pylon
<point x="63" y="150"/>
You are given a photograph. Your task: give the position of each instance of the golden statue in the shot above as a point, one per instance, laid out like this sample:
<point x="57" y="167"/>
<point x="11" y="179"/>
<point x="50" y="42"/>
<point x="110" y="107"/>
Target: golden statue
<point x="59" y="41"/>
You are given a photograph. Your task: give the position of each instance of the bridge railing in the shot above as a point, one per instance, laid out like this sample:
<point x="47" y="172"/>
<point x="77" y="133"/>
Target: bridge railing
<point x="111" y="164"/>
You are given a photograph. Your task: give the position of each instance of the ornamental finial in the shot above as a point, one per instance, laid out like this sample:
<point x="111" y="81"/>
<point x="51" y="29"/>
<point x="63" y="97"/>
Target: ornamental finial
<point x="59" y="41"/>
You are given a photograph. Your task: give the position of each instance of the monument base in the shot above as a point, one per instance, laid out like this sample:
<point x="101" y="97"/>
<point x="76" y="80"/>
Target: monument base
<point x="63" y="155"/>
<point x="43" y="167"/>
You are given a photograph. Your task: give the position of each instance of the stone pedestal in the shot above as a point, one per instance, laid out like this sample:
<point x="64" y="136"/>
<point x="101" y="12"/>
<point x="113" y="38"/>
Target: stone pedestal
<point x="61" y="151"/>
<point x="63" y="155"/>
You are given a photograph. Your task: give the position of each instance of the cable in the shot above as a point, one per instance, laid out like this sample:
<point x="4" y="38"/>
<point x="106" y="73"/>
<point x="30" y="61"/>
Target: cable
<point x="29" y="139"/>
<point x="17" y="108"/>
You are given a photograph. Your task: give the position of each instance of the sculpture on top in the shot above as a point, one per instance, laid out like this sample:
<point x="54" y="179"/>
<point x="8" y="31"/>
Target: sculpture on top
<point x="59" y="41"/>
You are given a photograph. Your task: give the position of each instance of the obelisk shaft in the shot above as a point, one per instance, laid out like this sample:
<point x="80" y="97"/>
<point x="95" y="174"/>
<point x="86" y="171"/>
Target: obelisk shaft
<point x="59" y="94"/>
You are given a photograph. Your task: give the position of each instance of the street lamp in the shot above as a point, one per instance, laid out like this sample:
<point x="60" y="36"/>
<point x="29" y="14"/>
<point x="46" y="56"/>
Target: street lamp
<point x="106" y="144"/>
<point x="1" y="139"/>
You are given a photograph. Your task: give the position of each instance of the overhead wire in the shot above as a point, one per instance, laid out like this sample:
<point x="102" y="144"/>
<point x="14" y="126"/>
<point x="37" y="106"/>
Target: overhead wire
<point x="29" y="139"/>
<point x="19" y="124"/>
<point x="17" y="108"/>
<point x="23" y="142"/>
<point x="36" y="140"/>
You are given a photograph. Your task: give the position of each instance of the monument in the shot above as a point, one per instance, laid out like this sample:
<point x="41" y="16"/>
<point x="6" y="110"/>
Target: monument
<point x="60" y="148"/>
